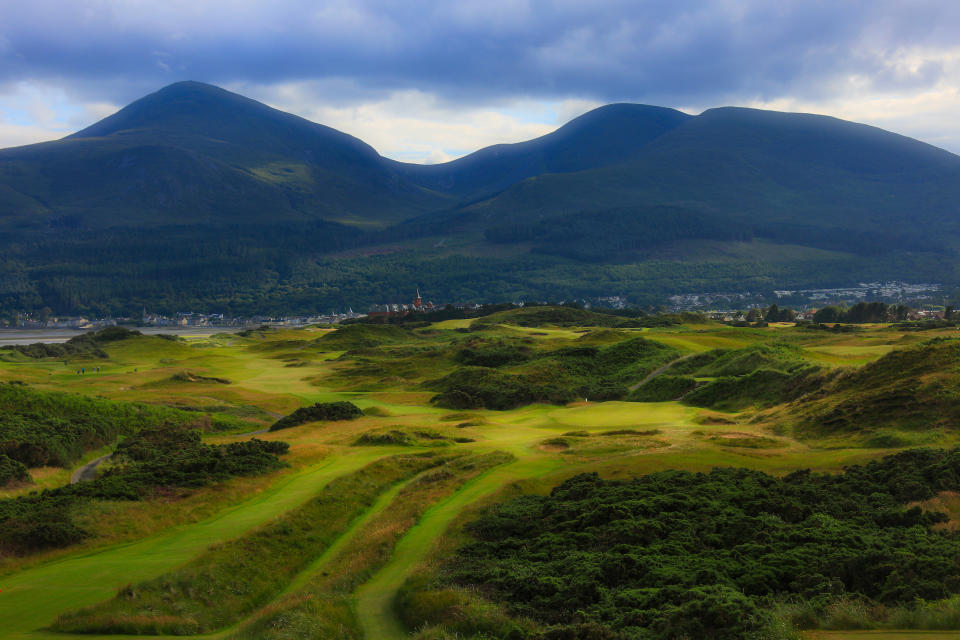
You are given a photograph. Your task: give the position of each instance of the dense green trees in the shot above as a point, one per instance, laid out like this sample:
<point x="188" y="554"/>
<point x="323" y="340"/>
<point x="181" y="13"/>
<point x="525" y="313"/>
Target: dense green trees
<point x="862" y="312"/>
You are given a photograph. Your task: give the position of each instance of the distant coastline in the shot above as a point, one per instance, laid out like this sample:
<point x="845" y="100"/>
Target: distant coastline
<point x="51" y="336"/>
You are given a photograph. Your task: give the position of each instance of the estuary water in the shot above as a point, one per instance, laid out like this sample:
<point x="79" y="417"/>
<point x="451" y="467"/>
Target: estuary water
<point x="30" y="336"/>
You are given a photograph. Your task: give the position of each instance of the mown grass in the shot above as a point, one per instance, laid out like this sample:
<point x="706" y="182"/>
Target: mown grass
<point x="232" y="579"/>
<point x="323" y="608"/>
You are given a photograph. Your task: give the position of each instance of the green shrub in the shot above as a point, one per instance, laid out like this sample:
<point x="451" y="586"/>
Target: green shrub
<point x="40" y="428"/>
<point x="762" y="388"/>
<point x="326" y="411"/>
<point x="12" y="470"/>
<point x="662" y="388"/>
<point x="392" y="437"/>
<point x="151" y="459"/>
<point x="677" y="554"/>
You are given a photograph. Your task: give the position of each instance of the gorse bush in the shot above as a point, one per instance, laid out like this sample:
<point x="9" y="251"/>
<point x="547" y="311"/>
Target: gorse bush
<point x="11" y="470"/>
<point x="677" y="554"/>
<point x="154" y="458"/>
<point x="554" y="377"/>
<point x="317" y="412"/>
<point x="50" y="428"/>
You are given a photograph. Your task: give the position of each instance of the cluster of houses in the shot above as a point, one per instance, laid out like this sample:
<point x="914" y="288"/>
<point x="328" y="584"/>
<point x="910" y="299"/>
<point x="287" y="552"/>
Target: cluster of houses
<point x="730" y="316"/>
<point x="183" y="320"/>
<point x="27" y="321"/>
<point x="417" y="306"/>
<point x="191" y="319"/>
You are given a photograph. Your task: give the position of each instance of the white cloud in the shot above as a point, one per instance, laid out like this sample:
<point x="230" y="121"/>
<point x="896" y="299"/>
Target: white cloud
<point x="32" y="112"/>
<point x="415" y="126"/>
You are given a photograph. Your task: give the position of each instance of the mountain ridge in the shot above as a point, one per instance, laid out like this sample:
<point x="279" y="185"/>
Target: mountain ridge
<point x="211" y="191"/>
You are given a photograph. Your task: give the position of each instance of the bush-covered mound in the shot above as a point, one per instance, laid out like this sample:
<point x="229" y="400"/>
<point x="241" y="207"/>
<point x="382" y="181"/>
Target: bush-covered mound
<point x="571" y="316"/>
<point x="912" y="388"/>
<point x="662" y="389"/>
<point x="319" y="411"/>
<point x="87" y="345"/>
<point x="555" y="377"/>
<point x="760" y="388"/>
<point x="479" y="387"/>
<point x="362" y="336"/>
<point x="676" y="554"/>
<point x="153" y="458"/>
<point x="50" y="428"/>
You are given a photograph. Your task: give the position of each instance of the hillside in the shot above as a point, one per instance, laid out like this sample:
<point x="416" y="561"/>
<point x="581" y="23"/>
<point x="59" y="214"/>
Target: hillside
<point x="195" y="197"/>
<point x="806" y="179"/>
<point x="607" y="135"/>
<point x="193" y="153"/>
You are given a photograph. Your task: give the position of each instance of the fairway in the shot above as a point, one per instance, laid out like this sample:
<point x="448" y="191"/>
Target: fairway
<point x="32" y="599"/>
<point x="263" y="376"/>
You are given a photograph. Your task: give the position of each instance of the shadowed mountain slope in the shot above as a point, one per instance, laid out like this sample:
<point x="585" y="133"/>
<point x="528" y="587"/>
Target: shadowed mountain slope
<point x="805" y="179"/>
<point x="193" y="153"/>
<point x="601" y="137"/>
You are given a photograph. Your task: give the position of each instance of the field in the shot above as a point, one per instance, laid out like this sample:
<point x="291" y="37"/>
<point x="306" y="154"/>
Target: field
<point x="391" y="373"/>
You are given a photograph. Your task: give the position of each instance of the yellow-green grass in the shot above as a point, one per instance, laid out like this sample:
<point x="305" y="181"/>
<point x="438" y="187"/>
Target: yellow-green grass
<point x="374" y="603"/>
<point x="847" y="354"/>
<point x="228" y="580"/>
<point x="322" y="608"/>
<point x="33" y="598"/>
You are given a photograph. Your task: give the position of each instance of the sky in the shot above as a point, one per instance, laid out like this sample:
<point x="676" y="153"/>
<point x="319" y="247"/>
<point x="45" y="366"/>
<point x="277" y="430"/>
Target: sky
<point x="428" y="81"/>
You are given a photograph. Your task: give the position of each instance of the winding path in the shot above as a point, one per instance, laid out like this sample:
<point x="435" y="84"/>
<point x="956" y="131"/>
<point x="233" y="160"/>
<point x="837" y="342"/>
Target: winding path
<point x="653" y="374"/>
<point x="88" y="471"/>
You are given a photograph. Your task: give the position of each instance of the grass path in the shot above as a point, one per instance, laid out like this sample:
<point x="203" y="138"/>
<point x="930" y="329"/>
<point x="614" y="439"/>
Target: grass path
<point x="32" y="599"/>
<point x="653" y="374"/>
<point x="374" y="599"/>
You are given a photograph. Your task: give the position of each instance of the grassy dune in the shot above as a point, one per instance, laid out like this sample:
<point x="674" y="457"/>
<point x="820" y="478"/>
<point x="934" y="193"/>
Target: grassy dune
<point x="346" y="582"/>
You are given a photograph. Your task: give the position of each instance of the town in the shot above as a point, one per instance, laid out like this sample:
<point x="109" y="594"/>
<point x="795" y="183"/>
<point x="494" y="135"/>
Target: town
<point x="723" y="307"/>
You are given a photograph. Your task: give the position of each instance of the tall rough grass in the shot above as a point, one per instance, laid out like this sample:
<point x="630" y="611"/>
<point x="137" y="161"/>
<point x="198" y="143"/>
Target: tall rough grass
<point x="323" y="608"/>
<point x="230" y="580"/>
<point x="856" y="614"/>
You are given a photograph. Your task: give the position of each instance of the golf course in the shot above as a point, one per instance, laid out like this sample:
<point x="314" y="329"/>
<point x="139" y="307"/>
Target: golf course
<point x="328" y="537"/>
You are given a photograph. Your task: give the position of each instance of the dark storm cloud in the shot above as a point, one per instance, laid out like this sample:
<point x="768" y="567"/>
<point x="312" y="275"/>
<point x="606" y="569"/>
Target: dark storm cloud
<point x="683" y="52"/>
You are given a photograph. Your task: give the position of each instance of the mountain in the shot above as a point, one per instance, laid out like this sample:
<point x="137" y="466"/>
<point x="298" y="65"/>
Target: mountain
<point x="196" y="197"/>
<point x="795" y="177"/>
<point x="607" y="135"/>
<point x="193" y="153"/>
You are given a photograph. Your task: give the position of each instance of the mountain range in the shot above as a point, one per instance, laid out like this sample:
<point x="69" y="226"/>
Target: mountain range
<point x="196" y="197"/>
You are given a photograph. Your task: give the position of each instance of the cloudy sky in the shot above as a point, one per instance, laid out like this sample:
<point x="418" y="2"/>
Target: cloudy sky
<point x="426" y="81"/>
